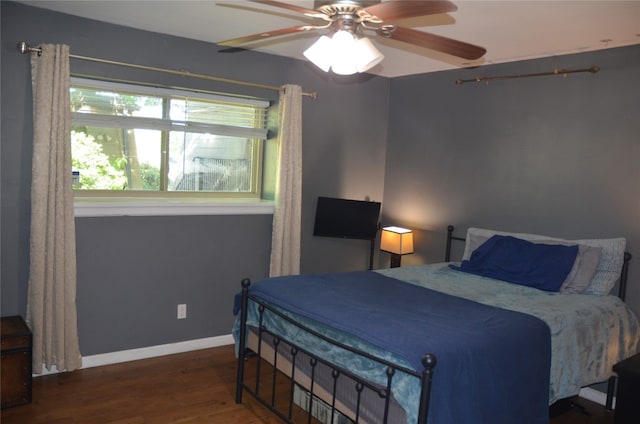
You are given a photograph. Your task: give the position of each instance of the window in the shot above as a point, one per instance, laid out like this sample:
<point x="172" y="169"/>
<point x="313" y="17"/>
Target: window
<point x="136" y="141"/>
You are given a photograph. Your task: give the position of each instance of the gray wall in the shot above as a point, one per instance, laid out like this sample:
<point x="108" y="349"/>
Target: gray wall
<point x="133" y="271"/>
<point x="549" y="155"/>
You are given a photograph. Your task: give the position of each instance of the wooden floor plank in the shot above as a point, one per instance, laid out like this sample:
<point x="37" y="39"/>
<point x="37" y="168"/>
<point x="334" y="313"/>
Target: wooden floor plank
<point x="188" y="388"/>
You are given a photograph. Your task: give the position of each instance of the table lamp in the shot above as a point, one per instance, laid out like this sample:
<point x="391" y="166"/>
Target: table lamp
<point x="397" y="241"/>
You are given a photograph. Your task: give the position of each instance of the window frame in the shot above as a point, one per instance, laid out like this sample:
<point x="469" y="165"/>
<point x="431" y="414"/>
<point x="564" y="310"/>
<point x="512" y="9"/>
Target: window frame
<point x="147" y="202"/>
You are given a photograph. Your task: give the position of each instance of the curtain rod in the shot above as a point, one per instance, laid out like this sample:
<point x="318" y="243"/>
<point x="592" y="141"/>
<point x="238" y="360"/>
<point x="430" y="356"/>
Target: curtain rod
<point x="24" y="48"/>
<point x="563" y="72"/>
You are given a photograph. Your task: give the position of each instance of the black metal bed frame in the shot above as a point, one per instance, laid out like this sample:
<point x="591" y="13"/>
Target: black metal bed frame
<point x="428" y="362"/>
<point x="426" y="376"/>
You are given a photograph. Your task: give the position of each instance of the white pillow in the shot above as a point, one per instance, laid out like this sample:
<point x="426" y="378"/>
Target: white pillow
<point x="606" y="273"/>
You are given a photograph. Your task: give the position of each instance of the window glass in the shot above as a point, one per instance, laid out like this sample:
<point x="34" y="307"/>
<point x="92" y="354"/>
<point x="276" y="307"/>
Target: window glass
<point x="116" y="159"/>
<point x="210" y="163"/>
<point x="127" y="140"/>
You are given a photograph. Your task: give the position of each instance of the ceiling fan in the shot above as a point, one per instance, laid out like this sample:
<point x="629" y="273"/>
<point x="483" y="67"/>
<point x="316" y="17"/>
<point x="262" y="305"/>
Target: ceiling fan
<point x="345" y="51"/>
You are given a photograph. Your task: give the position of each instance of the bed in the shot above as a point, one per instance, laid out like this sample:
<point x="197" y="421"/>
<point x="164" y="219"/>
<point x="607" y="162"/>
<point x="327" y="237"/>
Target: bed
<point x="522" y="321"/>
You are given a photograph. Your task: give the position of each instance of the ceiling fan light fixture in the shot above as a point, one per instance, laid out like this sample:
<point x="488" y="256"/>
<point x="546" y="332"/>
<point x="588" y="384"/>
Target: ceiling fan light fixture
<point x="320" y="53"/>
<point x="343" y="53"/>
<point x="343" y="59"/>
<point x="344" y="68"/>
<point x="367" y="55"/>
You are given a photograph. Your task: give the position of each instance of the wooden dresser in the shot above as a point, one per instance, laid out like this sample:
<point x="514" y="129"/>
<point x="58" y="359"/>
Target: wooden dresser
<point x="16" y="362"/>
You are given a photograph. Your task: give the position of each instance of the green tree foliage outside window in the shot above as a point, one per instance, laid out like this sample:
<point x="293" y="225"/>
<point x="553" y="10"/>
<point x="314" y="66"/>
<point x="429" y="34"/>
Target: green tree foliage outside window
<point x="94" y="166"/>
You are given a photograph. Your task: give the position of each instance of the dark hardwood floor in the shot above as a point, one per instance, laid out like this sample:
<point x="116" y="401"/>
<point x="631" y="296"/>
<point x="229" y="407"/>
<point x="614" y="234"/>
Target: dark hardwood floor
<point x="193" y="387"/>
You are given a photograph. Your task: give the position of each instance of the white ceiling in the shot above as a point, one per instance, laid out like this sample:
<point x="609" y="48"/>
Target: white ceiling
<point x="509" y="30"/>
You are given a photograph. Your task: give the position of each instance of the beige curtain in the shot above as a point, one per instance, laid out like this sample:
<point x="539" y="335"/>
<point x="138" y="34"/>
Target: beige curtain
<point x="51" y="308"/>
<point x="285" y="240"/>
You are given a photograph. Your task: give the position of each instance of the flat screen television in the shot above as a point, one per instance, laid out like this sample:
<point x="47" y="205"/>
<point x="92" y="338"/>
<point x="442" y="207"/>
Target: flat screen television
<point x="344" y="218"/>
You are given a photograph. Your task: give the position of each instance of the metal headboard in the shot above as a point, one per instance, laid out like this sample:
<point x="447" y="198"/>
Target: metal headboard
<point x="450" y="236"/>
<point x="622" y="286"/>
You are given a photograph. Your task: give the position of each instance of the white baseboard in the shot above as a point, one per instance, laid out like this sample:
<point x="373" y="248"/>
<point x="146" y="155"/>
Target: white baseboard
<point x="147" y="352"/>
<point x="595" y="396"/>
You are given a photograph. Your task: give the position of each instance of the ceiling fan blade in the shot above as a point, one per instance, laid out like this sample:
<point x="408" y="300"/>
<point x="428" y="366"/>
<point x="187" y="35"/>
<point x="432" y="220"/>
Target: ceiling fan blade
<point x="433" y="42"/>
<point x="400" y="9"/>
<point x="308" y="12"/>
<point x="267" y="34"/>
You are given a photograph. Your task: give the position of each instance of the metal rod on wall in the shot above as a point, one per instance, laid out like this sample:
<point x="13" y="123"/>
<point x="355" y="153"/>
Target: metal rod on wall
<point x="563" y="72"/>
<point x="24" y="48"/>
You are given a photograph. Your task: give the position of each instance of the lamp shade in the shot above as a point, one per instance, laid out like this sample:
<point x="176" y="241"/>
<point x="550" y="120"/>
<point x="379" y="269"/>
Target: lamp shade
<point x="320" y="53"/>
<point x="344" y="46"/>
<point x="366" y="56"/>
<point x="397" y="240"/>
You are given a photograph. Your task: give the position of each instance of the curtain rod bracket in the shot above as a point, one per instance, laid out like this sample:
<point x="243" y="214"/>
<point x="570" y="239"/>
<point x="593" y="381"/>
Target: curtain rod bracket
<point x="24" y="48"/>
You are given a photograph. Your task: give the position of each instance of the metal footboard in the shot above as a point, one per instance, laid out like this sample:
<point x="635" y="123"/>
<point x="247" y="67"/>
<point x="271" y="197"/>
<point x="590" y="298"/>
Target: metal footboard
<point x="322" y="381"/>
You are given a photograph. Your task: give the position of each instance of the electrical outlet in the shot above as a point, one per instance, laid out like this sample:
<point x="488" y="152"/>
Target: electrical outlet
<point x="182" y="311"/>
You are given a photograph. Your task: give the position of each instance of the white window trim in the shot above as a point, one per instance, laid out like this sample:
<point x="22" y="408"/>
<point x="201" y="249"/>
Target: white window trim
<point x="163" y="207"/>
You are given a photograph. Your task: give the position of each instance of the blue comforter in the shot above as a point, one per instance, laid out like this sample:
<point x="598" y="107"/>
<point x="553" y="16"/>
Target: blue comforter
<point x="493" y="364"/>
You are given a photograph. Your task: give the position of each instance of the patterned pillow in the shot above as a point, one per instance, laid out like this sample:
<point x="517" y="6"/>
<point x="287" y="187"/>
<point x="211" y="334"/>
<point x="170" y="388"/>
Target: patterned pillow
<point x="606" y="274"/>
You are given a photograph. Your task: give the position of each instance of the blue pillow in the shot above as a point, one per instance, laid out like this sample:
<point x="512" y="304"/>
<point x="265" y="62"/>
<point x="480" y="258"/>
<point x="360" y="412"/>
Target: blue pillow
<point x="506" y="258"/>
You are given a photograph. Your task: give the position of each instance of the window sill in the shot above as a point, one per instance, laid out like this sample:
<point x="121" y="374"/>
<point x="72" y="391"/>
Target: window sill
<point x="158" y="207"/>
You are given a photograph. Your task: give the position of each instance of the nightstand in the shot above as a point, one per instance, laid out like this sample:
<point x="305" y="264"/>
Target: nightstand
<point x="628" y="392"/>
<point x="16" y="362"/>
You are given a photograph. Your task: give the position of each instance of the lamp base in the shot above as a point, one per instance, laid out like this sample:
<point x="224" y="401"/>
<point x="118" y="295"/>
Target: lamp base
<point x="395" y="260"/>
